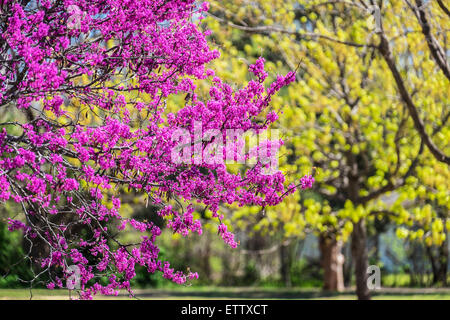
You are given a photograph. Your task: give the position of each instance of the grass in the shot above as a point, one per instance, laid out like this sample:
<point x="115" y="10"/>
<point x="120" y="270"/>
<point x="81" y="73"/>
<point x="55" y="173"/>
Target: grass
<point x="193" y="293"/>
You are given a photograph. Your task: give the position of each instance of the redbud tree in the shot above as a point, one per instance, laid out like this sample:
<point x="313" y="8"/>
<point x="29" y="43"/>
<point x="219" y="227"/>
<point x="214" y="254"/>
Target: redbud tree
<point x="119" y="61"/>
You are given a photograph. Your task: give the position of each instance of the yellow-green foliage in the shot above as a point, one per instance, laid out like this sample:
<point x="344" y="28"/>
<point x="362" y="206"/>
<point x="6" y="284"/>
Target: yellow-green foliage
<point x="344" y="114"/>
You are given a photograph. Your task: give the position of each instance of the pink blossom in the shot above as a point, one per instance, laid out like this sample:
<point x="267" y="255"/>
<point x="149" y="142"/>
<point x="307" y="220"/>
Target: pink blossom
<point x="87" y="142"/>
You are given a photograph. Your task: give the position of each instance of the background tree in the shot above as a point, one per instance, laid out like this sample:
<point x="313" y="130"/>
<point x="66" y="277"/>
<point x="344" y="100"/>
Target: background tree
<point x="347" y="115"/>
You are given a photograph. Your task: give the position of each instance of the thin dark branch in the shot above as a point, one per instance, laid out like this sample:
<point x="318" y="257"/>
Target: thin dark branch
<point x="386" y="52"/>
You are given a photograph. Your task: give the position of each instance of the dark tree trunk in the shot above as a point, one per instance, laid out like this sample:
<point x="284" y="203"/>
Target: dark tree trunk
<point x="255" y="243"/>
<point x="439" y="263"/>
<point x="332" y="261"/>
<point x="35" y="247"/>
<point x="285" y="264"/>
<point x="206" y="263"/>
<point x="348" y="265"/>
<point x="443" y="263"/>
<point x="360" y="258"/>
<point x="377" y="248"/>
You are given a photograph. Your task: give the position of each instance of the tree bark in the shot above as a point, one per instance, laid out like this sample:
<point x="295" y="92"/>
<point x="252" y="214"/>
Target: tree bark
<point x="332" y="261"/>
<point x="348" y="265"/>
<point x="360" y="258"/>
<point x="206" y="263"/>
<point x="439" y="263"/>
<point x="285" y="264"/>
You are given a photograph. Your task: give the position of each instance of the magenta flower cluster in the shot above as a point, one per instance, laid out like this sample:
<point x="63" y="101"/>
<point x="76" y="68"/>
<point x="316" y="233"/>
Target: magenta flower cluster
<point x="117" y="61"/>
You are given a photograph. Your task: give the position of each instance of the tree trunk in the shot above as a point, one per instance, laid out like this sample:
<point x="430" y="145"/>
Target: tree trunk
<point x="348" y="265"/>
<point x="36" y="247"/>
<point x="332" y="261"/>
<point x="444" y="263"/>
<point x="285" y="264"/>
<point x="360" y="258"/>
<point x="206" y="263"/>
<point x="439" y="263"/>
<point x="377" y="247"/>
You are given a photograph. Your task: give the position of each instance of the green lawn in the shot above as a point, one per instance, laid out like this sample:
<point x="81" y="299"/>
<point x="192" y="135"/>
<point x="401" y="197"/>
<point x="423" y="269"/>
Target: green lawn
<point x="239" y="293"/>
